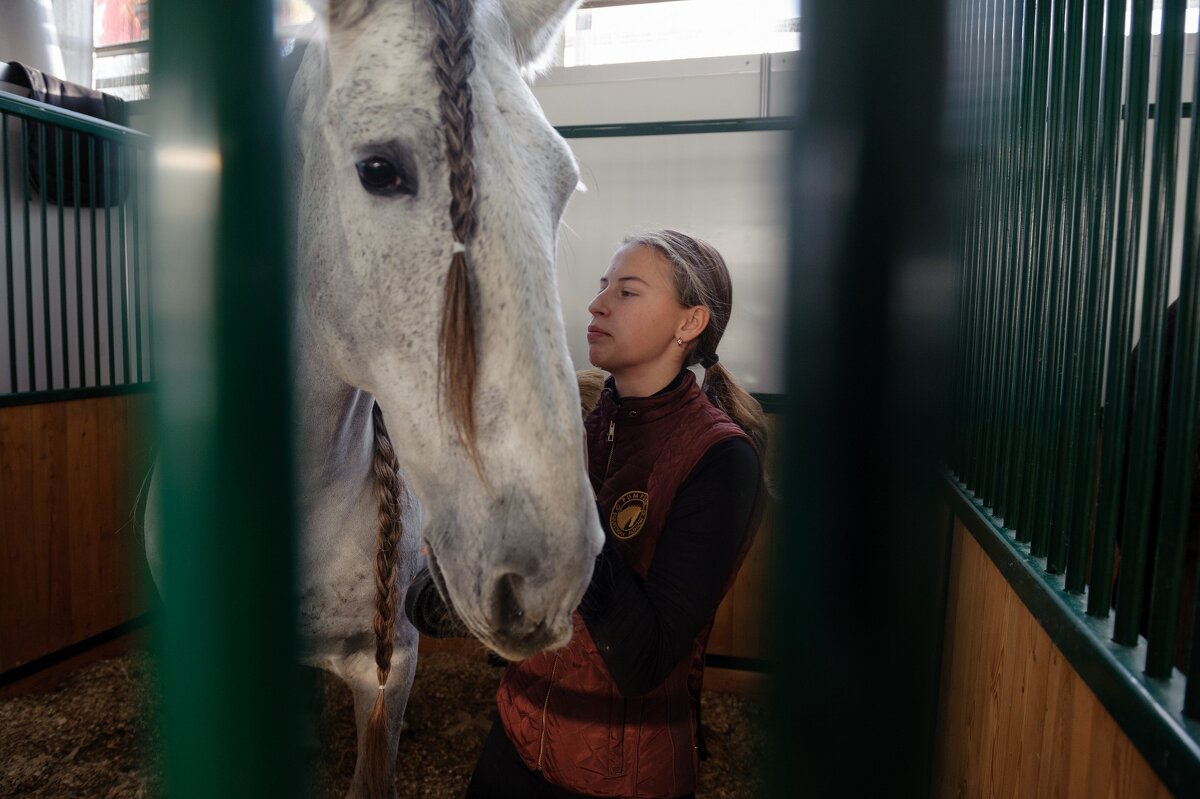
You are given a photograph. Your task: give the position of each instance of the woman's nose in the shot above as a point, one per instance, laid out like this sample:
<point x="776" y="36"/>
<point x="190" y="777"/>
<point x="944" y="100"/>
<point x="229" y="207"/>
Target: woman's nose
<point x="596" y="306"/>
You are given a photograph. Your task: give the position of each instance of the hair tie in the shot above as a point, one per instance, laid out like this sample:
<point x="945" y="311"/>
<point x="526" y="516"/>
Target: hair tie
<point x="458" y="247"/>
<point x="709" y="361"/>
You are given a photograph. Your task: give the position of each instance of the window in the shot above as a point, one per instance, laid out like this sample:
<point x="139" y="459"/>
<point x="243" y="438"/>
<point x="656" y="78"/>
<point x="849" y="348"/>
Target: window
<point x="615" y="32"/>
<point x="121" y="47"/>
<point x="121" y="42"/>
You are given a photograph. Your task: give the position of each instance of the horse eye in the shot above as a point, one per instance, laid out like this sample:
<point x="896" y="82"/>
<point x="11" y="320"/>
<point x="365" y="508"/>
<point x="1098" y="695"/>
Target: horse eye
<point x="380" y="176"/>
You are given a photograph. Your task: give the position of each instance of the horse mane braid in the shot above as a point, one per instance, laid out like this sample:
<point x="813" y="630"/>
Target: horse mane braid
<point x="391" y="528"/>
<point x="453" y="62"/>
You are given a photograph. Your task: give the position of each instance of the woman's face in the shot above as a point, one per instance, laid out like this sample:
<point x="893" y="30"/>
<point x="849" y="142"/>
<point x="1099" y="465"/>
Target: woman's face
<point x="636" y="313"/>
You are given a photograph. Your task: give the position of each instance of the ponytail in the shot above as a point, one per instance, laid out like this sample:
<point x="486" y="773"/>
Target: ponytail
<point x="738" y="405"/>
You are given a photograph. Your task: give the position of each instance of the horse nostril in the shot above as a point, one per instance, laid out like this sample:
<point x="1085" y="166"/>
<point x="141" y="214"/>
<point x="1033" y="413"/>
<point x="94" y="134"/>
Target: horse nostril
<point x="506" y="604"/>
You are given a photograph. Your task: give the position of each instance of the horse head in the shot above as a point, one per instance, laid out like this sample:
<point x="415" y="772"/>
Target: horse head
<point x="431" y="188"/>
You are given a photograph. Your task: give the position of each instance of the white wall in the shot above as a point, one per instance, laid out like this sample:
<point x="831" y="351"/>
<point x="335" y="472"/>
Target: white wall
<point x="722" y="187"/>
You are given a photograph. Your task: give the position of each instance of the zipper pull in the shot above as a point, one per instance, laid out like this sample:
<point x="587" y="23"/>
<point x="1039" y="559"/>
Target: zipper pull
<point x="612" y="429"/>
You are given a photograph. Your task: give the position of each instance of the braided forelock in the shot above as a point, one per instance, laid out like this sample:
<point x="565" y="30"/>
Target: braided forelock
<point x="388" y="491"/>
<point x="453" y="61"/>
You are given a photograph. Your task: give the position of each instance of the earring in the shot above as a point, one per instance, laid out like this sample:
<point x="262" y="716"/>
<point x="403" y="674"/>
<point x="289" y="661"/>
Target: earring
<point x="679" y="341"/>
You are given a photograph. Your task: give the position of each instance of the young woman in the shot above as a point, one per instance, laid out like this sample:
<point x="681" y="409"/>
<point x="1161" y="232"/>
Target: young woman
<point x="677" y="472"/>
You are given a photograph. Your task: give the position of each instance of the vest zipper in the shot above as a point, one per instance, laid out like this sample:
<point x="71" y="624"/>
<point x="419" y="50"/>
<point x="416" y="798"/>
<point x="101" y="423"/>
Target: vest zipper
<point x="545" y="704"/>
<point x="612" y="431"/>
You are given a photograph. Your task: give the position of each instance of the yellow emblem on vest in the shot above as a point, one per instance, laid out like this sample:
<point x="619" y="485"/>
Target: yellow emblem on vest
<point x="628" y="514"/>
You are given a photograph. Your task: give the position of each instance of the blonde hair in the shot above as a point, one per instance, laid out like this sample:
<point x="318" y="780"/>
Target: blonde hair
<point x="591" y="383"/>
<point x="700" y="277"/>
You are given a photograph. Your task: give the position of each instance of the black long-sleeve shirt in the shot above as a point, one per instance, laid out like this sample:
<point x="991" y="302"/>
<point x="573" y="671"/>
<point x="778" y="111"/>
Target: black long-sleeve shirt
<point x="643" y="629"/>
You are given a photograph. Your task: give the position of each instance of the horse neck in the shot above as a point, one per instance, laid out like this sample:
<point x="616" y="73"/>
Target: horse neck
<point x="335" y="437"/>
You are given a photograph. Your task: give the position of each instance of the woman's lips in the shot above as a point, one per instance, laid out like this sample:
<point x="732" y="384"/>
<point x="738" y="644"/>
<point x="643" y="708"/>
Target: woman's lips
<point x="594" y="333"/>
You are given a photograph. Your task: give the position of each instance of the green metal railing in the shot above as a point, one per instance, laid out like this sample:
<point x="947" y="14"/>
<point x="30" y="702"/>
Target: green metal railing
<point x="1078" y="370"/>
<point x="75" y="288"/>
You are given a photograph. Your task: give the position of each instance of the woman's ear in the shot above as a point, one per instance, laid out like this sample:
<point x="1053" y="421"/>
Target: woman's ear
<point x="693" y="323"/>
<point x="533" y="24"/>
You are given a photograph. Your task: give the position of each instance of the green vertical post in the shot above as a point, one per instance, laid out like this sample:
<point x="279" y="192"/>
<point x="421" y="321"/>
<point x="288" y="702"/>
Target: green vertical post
<point x="1179" y="461"/>
<point x="47" y="349"/>
<point x="1041" y="466"/>
<point x="1183" y="422"/>
<point x="990" y="316"/>
<point x="77" y="191"/>
<point x="122" y="264"/>
<point x="882" y="135"/>
<point x="1100" y="116"/>
<point x="9" y="266"/>
<point x="974" y="279"/>
<point x="95" y="262"/>
<point x="1035" y="179"/>
<point x="110" y="307"/>
<point x="1125" y="270"/>
<point x="64" y="341"/>
<point x="998" y="225"/>
<point x="1068" y="310"/>
<point x="221" y="295"/>
<point x="135" y="215"/>
<point x="1016" y="259"/>
<point x="31" y="365"/>
<point x="1143" y="455"/>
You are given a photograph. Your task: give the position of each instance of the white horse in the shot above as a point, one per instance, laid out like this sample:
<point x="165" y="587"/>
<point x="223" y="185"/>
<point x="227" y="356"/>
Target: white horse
<point x="430" y="190"/>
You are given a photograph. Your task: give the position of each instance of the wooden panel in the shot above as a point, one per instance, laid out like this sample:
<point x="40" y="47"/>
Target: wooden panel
<point x="68" y="479"/>
<point x="1014" y="718"/>
<point x="742" y="620"/>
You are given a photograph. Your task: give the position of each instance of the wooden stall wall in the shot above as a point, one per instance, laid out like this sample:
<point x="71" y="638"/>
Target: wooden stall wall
<point x="70" y="556"/>
<point x="1014" y="718"/>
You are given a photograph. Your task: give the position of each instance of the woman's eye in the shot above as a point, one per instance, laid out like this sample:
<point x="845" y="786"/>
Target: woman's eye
<point x="627" y="293"/>
<point x="380" y="176"/>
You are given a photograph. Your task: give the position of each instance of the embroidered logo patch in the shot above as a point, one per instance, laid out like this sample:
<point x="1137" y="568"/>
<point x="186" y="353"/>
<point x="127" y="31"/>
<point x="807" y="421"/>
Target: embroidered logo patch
<point x="628" y="514"/>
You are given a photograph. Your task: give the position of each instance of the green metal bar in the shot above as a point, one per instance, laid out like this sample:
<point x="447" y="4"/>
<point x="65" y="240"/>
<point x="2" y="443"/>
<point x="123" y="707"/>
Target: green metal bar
<point x="1183" y="421"/>
<point x="96" y="378"/>
<point x="139" y="164"/>
<point x="31" y="364"/>
<point x="1013" y="257"/>
<point x="989" y="300"/>
<point x="1143" y="454"/>
<point x="676" y="128"/>
<point x="122" y="265"/>
<point x="8" y="257"/>
<point x="109" y="306"/>
<point x="970" y="332"/>
<point x="997" y="233"/>
<point x="36" y="111"/>
<point x="148" y="212"/>
<point x="1125" y="270"/>
<point x="47" y="348"/>
<point x="78" y="192"/>
<point x="1051" y="193"/>
<point x="64" y="341"/>
<point x="1035" y="177"/>
<point x="1182" y="425"/>
<point x="962" y="369"/>
<point x="996" y="224"/>
<point x="1069" y="310"/>
<point x="229" y="636"/>
<point x="1012" y="215"/>
<point x="976" y="244"/>
<point x="1102" y="101"/>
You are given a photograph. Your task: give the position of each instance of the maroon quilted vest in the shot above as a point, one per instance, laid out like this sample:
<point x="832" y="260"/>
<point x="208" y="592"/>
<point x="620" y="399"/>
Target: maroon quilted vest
<point x="562" y="710"/>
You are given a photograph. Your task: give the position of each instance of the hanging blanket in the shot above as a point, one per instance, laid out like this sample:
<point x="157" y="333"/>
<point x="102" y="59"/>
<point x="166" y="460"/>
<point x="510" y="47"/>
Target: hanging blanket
<point x="101" y="162"/>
